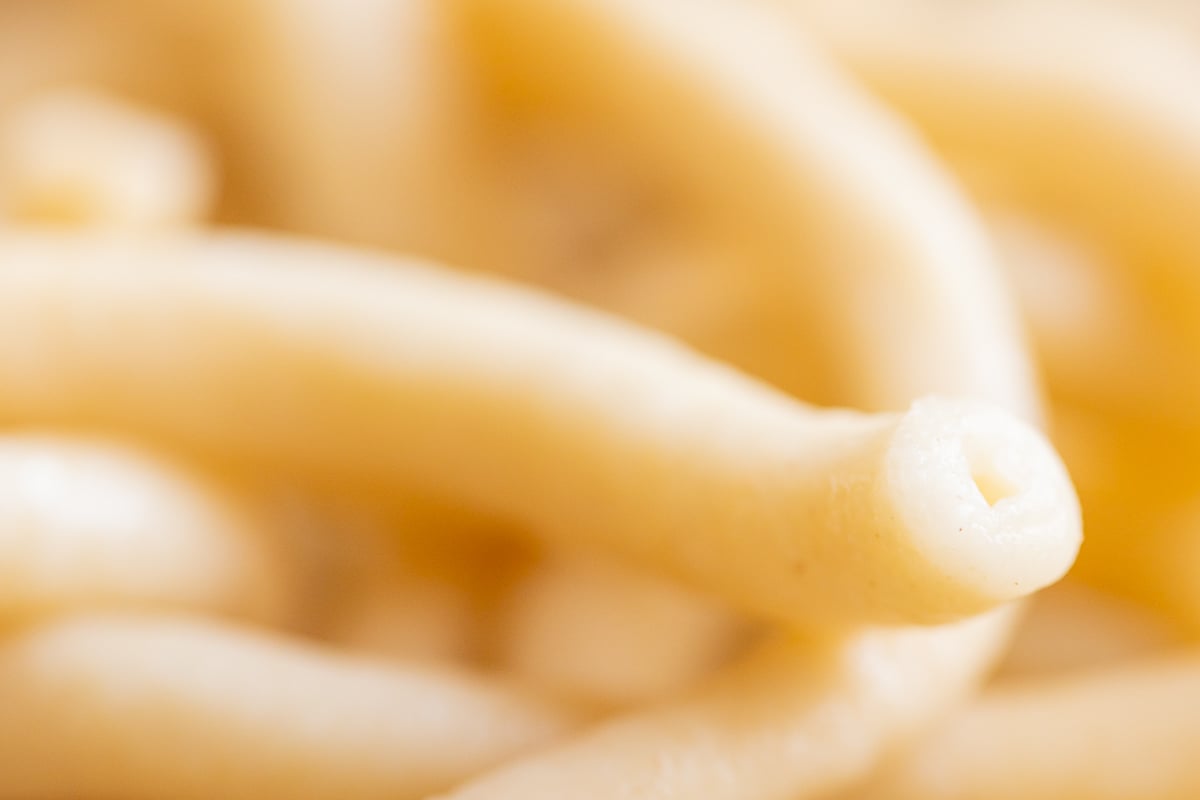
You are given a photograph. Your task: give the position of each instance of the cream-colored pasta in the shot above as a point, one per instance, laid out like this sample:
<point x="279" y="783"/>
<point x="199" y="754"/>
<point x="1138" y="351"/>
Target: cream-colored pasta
<point x="674" y="549"/>
<point x="799" y="207"/>
<point x="1079" y="115"/>
<point x="794" y="720"/>
<point x="1123" y="732"/>
<point x="153" y="707"/>
<point x="93" y="523"/>
<point x="798" y="230"/>
<point x="392" y="374"/>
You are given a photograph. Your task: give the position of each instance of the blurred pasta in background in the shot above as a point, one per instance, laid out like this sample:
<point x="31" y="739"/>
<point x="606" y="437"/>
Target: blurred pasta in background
<point x="533" y="399"/>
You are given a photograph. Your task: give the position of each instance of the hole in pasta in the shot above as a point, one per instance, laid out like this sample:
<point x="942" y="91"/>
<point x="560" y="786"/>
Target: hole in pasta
<point x="994" y="488"/>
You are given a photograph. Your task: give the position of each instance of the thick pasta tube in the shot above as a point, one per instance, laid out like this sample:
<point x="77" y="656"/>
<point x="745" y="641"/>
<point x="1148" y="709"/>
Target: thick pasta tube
<point x="1087" y="120"/>
<point x="713" y="179"/>
<point x="1082" y="116"/>
<point x="95" y="523"/>
<point x="793" y="722"/>
<point x="86" y="159"/>
<point x="380" y="373"/>
<point x="1125" y="733"/>
<point x="751" y="199"/>
<point x="145" y="708"/>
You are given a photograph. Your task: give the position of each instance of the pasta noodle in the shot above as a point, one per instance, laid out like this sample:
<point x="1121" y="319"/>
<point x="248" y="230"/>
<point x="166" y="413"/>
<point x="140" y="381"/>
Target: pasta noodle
<point x="1042" y="739"/>
<point x="792" y="721"/>
<point x="128" y="702"/>
<point x="86" y="524"/>
<point x="1083" y="118"/>
<point x="407" y="378"/>
<point x="456" y="143"/>
<point x="749" y="493"/>
<point x="1089" y="115"/>
<point x="811" y="199"/>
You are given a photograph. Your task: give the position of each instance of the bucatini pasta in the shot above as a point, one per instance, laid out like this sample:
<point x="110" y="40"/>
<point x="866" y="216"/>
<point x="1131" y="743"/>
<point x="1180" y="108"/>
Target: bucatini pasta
<point x="392" y="374"/>
<point x="281" y="517"/>
<point x="1081" y="117"/>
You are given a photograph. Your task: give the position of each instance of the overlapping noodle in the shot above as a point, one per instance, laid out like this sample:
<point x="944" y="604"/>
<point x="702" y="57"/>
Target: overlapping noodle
<point x="1085" y="119"/>
<point x="689" y="164"/>
<point x="1082" y="116"/>
<point x="776" y="219"/>
<point x="387" y="374"/>
<point x="793" y="720"/>
<point x="775" y="203"/>
<point x="153" y="707"/>
<point x="1120" y="732"/>
<point x="94" y="523"/>
<point x="787" y="179"/>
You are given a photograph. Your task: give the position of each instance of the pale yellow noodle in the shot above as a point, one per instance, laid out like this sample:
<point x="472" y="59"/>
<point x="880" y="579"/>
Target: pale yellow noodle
<point x="1080" y="115"/>
<point x="699" y="171"/>
<point x="151" y="707"/>
<point x="381" y="373"/>
<point x="1122" y="733"/>
<point x="692" y="164"/>
<point x="95" y="523"/>
<point x="793" y="721"/>
<point x="783" y="203"/>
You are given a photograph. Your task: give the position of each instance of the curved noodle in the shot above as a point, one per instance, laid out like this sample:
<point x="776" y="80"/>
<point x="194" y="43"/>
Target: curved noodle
<point x="374" y="372"/>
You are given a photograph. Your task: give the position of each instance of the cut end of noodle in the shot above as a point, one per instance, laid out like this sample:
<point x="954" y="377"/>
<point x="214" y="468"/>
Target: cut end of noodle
<point x="984" y="497"/>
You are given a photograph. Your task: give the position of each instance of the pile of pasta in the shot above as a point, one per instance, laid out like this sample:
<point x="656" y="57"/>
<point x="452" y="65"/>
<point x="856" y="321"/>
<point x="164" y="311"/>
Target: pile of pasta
<point x="599" y="399"/>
